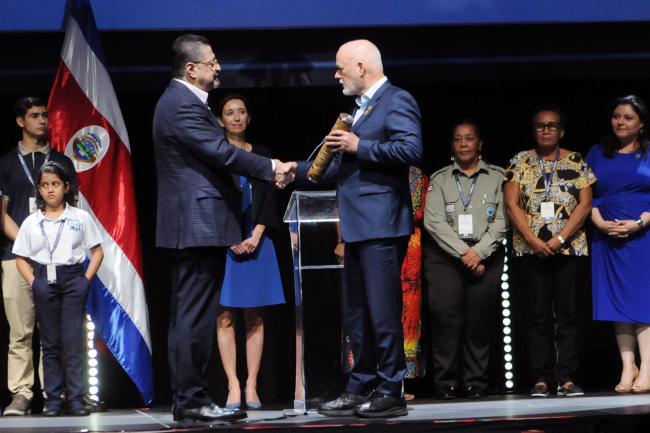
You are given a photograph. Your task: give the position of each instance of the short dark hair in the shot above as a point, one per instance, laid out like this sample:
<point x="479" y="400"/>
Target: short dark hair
<point x="553" y="108"/>
<point x="26" y="102"/>
<point x="223" y="101"/>
<point x="186" y="48"/>
<point x="59" y="170"/>
<point x="467" y="121"/>
<point x="610" y="143"/>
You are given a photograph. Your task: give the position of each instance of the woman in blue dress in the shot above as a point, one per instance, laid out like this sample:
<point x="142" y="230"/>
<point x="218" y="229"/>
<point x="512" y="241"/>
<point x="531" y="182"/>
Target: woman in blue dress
<point x="252" y="278"/>
<point x="621" y="243"/>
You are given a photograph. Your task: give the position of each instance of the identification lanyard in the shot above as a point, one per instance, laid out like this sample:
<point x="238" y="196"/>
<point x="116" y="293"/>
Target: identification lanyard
<point x="548" y="177"/>
<point x="26" y="169"/>
<point x="51" y="269"/>
<point x="466" y="199"/>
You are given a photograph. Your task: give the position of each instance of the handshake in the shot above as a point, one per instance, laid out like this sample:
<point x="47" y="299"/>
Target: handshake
<point x="285" y="173"/>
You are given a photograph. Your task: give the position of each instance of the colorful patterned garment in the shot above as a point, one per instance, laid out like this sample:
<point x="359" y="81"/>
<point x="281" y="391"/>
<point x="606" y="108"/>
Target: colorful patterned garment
<point x="412" y="278"/>
<point x="571" y="175"/>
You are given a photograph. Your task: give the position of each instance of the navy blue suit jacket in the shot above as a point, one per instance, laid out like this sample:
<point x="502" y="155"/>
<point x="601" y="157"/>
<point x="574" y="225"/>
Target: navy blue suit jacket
<point x="372" y="186"/>
<point x="198" y="202"/>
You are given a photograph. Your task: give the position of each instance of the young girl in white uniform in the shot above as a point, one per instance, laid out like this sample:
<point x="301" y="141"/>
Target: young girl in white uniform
<point x="51" y="249"/>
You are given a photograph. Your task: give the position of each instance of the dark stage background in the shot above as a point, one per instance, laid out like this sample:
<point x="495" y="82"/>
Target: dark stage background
<point x="493" y="73"/>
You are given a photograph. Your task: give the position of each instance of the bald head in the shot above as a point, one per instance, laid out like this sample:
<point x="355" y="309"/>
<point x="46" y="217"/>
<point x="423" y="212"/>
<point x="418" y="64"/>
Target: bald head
<point x="358" y="66"/>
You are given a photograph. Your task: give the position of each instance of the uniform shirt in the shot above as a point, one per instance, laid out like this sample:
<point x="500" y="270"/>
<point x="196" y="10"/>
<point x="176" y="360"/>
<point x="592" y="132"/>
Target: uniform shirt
<point x="571" y="175"/>
<point x="17" y="188"/>
<point x="79" y="233"/>
<point x="444" y="205"/>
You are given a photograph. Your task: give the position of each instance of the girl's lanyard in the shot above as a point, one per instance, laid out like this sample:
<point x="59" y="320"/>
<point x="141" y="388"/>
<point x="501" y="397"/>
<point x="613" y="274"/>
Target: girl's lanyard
<point x="51" y="269"/>
<point x="32" y="200"/>
<point x="548" y="207"/>
<point x="465" y="223"/>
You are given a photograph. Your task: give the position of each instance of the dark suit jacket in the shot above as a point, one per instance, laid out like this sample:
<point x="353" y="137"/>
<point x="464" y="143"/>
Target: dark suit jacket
<point x="198" y="202"/>
<point x="265" y="203"/>
<point x="372" y="186"/>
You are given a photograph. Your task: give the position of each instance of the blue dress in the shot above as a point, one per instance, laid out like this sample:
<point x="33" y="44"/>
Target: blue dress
<point x="620" y="267"/>
<point x="251" y="280"/>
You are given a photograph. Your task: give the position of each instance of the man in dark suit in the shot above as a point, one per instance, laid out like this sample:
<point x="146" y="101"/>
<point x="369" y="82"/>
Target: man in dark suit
<point x="371" y="170"/>
<point x="198" y="216"/>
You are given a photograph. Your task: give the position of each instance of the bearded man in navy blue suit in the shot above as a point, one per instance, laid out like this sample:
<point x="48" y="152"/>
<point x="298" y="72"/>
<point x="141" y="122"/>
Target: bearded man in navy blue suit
<point x="199" y="206"/>
<point x="371" y="172"/>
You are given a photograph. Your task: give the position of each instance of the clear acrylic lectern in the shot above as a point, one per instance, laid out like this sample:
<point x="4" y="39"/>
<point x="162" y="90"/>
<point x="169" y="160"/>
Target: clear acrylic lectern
<point x="313" y="226"/>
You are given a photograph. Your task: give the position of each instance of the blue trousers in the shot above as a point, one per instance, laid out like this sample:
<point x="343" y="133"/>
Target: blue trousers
<point x="60" y="310"/>
<point x="372" y="312"/>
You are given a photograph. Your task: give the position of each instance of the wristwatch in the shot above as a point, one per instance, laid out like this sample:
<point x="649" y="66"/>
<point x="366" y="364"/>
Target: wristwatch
<point x="561" y="239"/>
<point x="640" y="222"/>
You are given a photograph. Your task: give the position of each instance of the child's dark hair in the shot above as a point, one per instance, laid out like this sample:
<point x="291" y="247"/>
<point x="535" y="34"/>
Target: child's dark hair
<point x="60" y="171"/>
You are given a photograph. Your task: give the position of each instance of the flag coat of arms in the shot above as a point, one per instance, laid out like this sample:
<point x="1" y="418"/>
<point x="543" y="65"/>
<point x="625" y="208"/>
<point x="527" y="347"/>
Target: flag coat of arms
<point x="86" y="125"/>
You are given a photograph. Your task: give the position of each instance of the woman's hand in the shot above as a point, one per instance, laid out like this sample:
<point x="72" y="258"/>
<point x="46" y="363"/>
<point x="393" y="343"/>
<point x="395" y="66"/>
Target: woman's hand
<point x="605" y="226"/>
<point x="480" y="270"/>
<point x="623" y="228"/>
<point x="611" y="228"/>
<point x="540" y="247"/>
<point x="250" y="245"/>
<point x="554" y="244"/>
<point x="339" y="252"/>
<point x="471" y="259"/>
<point x="237" y="249"/>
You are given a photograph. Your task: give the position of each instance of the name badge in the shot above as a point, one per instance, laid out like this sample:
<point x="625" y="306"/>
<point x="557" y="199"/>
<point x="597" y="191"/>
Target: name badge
<point x="465" y="226"/>
<point x="548" y="210"/>
<point x="51" y="273"/>
<point x="32" y="205"/>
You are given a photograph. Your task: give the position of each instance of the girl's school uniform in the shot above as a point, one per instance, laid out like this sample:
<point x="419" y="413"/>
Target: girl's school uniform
<point x="57" y="249"/>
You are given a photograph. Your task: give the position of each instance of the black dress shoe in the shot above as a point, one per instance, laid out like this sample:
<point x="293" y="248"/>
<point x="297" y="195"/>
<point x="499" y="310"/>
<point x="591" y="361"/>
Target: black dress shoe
<point x="51" y="412"/>
<point x="344" y="405"/>
<point x="446" y="393"/>
<point x="208" y="413"/>
<point x="77" y="408"/>
<point x="473" y="392"/>
<point x="53" y="408"/>
<point x="382" y="406"/>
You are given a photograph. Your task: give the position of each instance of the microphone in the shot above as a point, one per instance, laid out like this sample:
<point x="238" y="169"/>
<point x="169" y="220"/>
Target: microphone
<point x="325" y="154"/>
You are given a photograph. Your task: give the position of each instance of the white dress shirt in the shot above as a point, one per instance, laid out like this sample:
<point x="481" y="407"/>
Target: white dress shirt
<point x="363" y="100"/>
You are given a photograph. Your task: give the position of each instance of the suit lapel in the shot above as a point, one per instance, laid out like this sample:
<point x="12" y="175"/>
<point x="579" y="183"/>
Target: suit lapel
<point x="372" y="105"/>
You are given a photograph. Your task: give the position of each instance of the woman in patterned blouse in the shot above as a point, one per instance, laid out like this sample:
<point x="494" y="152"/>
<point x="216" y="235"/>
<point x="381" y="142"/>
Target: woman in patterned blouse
<point x="548" y="197"/>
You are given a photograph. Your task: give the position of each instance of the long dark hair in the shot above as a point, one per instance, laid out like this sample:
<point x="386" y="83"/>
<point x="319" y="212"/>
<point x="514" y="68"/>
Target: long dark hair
<point x="60" y="171"/>
<point x="610" y="142"/>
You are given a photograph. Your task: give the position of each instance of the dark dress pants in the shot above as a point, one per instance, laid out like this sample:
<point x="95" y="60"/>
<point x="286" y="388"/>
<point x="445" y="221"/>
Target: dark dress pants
<point x="550" y="288"/>
<point x="60" y="310"/>
<point x="462" y="316"/>
<point x="197" y="275"/>
<point x="372" y="311"/>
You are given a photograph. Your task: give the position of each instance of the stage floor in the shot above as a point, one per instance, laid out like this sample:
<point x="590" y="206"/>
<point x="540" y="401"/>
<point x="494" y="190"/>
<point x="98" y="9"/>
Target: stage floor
<point x="595" y="412"/>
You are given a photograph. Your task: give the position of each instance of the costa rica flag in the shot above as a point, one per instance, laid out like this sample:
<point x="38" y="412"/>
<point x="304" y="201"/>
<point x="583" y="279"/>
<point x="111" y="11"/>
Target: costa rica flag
<point x="86" y="124"/>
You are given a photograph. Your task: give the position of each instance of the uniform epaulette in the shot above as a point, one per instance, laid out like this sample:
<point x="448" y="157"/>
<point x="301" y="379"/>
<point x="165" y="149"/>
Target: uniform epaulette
<point x="439" y="172"/>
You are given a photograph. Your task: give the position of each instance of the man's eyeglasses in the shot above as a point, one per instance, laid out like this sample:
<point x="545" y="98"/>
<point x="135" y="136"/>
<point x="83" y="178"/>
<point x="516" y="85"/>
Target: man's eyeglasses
<point x="552" y="126"/>
<point x="211" y="64"/>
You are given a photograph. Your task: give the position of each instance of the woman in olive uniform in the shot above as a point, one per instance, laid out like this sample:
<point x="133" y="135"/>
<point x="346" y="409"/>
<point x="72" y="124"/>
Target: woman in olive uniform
<point x="463" y="265"/>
